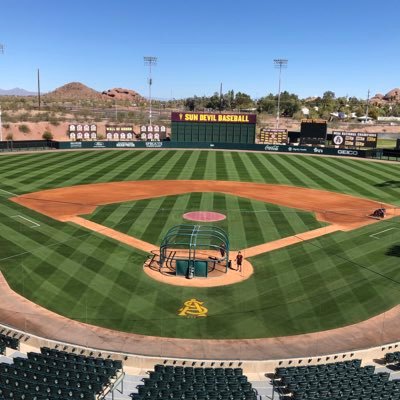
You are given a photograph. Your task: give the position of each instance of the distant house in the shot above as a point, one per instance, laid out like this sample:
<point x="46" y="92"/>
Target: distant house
<point x="305" y="111"/>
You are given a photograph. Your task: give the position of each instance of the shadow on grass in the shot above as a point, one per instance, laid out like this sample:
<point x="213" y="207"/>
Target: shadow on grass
<point x="392" y="184"/>
<point x="393" y="251"/>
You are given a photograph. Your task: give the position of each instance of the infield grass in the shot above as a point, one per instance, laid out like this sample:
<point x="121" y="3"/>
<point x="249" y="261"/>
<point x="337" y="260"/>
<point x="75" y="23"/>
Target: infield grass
<point x="338" y="279"/>
<point x="248" y="222"/>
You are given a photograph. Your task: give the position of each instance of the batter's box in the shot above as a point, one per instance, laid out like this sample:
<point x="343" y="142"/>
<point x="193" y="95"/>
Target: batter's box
<point x="384" y="233"/>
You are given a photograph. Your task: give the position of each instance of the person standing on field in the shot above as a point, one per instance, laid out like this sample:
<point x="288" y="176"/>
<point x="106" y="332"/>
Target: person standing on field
<point x="239" y="260"/>
<point x="222" y="249"/>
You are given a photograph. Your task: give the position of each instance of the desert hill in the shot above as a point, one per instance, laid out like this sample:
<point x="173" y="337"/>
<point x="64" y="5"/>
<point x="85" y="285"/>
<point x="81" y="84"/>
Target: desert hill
<point x="77" y="91"/>
<point x="73" y="91"/>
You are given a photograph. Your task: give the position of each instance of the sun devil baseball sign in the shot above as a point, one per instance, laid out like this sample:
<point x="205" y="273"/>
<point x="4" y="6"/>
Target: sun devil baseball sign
<point x="213" y="127"/>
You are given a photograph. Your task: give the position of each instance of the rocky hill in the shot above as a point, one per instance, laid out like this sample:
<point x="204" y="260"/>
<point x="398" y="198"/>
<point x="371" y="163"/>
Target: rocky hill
<point x="124" y="94"/>
<point x="73" y="91"/>
<point x="393" y="96"/>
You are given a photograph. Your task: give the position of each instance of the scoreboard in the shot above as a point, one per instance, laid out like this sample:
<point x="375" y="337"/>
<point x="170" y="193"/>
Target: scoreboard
<point x="313" y="131"/>
<point x="212" y="127"/>
<point x="273" y="136"/>
<point x="354" y="139"/>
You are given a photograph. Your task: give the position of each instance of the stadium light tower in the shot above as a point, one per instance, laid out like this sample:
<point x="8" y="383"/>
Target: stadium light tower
<point x="279" y="63"/>
<point x="150" y="61"/>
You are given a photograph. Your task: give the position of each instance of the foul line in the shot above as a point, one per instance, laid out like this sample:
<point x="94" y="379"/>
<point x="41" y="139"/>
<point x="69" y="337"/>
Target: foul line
<point x="378" y="233"/>
<point x="34" y="224"/>
<point x="6" y="191"/>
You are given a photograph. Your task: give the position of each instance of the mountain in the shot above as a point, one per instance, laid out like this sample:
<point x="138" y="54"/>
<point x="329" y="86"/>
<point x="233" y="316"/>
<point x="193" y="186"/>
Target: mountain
<point x="16" y="92"/>
<point x="73" y="91"/>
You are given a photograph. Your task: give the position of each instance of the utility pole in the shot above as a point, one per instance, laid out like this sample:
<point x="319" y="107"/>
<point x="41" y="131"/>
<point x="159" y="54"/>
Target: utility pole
<point x="150" y="61"/>
<point x="220" y="97"/>
<point x="367" y="108"/>
<point x="279" y="63"/>
<point x="38" y="86"/>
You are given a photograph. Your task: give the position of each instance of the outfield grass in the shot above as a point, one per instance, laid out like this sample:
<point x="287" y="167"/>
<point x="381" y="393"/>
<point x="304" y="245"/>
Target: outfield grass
<point x="248" y="222"/>
<point x="332" y="281"/>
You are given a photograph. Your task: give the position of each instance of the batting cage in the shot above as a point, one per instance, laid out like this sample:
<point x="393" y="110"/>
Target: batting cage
<point x="195" y="250"/>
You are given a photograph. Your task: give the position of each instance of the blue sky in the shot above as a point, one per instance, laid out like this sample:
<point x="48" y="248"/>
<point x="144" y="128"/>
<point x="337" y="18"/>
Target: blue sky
<point x="344" y="46"/>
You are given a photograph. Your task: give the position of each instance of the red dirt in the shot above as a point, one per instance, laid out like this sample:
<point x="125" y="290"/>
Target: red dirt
<point x="204" y="216"/>
<point x="335" y="208"/>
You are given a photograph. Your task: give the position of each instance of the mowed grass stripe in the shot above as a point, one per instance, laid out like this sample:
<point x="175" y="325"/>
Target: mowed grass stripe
<point x="181" y="164"/>
<point x="69" y="175"/>
<point x="122" y="166"/>
<point x="339" y="178"/>
<point x="168" y="165"/>
<point x="157" y="221"/>
<point x="251" y="224"/>
<point x="241" y="168"/>
<point x="48" y="173"/>
<point x="200" y="166"/>
<point x="221" y="168"/>
<point x="210" y="172"/>
<point x="126" y="170"/>
<point x="358" y="180"/>
<point x="233" y="174"/>
<point x="315" y="178"/>
<point x="154" y="166"/>
<point x="372" y="178"/>
<point x="258" y="224"/>
<point x="263" y="167"/>
<point x="270" y="164"/>
<point x="254" y="167"/>
<point x="18" y="166"/>
<point x="295" y="178"/>
<point x="94" y="172"/>
<point x="236" y="233"/>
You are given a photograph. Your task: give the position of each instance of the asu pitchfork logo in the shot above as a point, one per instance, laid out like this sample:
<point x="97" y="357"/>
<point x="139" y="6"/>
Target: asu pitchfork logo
<point x="193" y="308"/>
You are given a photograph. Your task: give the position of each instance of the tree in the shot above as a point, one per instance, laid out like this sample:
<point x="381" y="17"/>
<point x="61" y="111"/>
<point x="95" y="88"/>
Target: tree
<point x="267" y="104"/>
<point x="243" y="101"/>
<point x="24" y="128"/>
<point x="47" y="135"/>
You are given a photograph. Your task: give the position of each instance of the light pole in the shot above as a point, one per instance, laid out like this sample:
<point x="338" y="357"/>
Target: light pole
<point x="279" y="63"/>
<point x="367" y="109"/>
<point x="149" y="61"/>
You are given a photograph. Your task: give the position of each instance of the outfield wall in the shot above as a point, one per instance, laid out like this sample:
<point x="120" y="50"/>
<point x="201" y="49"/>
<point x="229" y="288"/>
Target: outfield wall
<point x="218" y="146"/>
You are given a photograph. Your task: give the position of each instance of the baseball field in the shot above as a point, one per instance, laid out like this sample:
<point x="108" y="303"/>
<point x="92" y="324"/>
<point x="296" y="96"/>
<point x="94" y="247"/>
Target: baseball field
<point x="334" y="280"/>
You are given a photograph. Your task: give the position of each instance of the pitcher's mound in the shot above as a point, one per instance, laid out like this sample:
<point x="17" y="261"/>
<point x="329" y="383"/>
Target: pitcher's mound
<point x="204" y="216"/>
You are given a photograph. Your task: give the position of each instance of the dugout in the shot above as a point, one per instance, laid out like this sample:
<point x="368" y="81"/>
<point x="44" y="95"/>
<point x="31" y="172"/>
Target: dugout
<point x="197" y="127"/>
<point x="194" y="250"/>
